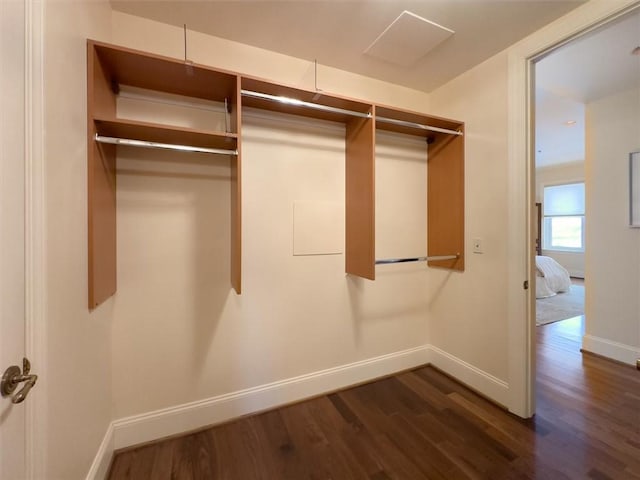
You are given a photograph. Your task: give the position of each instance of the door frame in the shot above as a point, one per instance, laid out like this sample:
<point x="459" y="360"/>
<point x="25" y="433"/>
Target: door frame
<point x="35" y="214"/>
<point x="521" y="192"/>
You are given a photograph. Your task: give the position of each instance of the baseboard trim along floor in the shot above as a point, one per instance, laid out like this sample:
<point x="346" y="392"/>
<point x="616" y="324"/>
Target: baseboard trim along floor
<point x="180" y="419"/>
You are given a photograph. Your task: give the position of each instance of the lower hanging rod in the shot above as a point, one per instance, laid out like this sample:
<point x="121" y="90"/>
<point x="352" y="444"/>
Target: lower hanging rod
<point x="301" y="103"/>
<point x="404" y="123"/>
<point x="164" y="146"/>
<point x="433" y="258"/>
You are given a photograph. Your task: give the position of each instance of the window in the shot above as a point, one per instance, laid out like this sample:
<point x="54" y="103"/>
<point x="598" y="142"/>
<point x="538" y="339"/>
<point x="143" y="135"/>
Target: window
<point x="563" y="210"/>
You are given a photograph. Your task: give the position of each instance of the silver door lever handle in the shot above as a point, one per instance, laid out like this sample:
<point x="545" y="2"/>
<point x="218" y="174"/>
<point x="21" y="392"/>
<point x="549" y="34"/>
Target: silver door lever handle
<point x="13" y="376"/>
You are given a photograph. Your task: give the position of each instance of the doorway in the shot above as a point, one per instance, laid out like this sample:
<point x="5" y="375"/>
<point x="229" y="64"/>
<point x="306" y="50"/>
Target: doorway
<point x="583" y="89"/>
<point x="575" y="97"/>
<point x="520" y="241"/>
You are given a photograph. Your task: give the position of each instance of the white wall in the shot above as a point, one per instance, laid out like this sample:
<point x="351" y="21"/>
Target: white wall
<point x="180" y="334"/>
<point x="469" y="311"/>
<point x="555" y="175"/>
<point x="78" y="345"/>
<point x="613" y="253"/>
<point x="177" y="318"/>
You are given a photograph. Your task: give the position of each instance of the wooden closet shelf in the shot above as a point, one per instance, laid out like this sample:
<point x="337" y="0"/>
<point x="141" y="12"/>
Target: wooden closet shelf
<point x="151" y="132"/>
<point x="414" y="117"/>
<point x="318" y="98"/>
<point x="154" y="72"/>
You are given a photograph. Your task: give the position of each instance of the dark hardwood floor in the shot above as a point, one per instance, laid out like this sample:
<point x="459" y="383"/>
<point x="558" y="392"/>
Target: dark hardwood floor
<point x="423" y="425"/>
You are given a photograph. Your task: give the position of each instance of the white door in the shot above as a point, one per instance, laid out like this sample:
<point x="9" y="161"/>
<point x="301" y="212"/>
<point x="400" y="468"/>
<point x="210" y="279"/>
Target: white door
<point x="12" y="223"/>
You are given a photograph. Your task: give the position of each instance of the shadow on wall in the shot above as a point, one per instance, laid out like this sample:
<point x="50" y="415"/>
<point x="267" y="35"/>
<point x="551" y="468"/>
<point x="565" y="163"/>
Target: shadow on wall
<point x="174" y="247"/>
<point x="397" y="294"/>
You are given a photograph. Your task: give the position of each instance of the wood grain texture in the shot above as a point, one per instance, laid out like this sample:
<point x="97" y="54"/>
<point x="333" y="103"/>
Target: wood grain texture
<point x="360" y="213"/>
<point x="236" y="194"/>
<point x="101" y="188"/>
<point x="445" y="201"/>
<point x="421" y="424"/>
<point x="153" y="132"/>
<point x="164" y="74"/>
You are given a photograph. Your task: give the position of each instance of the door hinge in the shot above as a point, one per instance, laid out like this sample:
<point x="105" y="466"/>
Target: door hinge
<point x="525" y="285"/>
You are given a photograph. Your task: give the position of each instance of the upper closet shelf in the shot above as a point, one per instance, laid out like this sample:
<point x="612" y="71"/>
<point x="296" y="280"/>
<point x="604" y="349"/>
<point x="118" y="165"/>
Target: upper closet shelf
<point x="301" y="103"/>
<point x="413" y="123"/>
<point x="155" y="72"/>
<point x="279" y="98"/>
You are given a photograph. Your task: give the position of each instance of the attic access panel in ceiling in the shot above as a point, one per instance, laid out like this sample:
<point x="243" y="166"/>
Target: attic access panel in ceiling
<point x="408" y="39"/>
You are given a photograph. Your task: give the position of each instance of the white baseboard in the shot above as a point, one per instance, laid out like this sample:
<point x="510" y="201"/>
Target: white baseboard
<point x="100" y="466"/>
<point x="191" y="416"/>
<point x="155" y="425"/>
<point x="610" y="349"/>
<point x="488" y="385"/>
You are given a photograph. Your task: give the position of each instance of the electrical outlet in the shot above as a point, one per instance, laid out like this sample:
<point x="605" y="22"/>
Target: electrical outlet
<point x="477" y="245"/>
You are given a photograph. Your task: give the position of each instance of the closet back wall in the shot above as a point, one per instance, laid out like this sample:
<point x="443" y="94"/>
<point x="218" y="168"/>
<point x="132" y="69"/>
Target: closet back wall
<point x="177" y="322"/>
<point x="180" y="333"/>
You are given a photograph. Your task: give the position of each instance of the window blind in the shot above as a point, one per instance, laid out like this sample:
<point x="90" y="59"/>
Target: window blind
<point x="565" y="199"/>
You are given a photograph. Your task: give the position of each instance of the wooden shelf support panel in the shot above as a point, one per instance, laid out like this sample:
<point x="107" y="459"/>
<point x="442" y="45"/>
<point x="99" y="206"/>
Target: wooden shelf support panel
<point x="360" y="200"/>
<point x="101" y="183"/>
<point x="445" y="201"/>
<point x="236" y="197"/>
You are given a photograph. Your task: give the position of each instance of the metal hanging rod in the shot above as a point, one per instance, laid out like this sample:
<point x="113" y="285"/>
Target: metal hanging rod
<point x="326" y="108"/>
<point x="301" y="103"/>
<point x="404" y="123"/>
<point x="165" y="146"/>
<point x="433" y="258"/>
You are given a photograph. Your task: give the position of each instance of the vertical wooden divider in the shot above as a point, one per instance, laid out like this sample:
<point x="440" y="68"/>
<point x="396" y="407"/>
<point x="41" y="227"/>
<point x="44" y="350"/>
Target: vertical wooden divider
<point x="101" y="183"/>
<point x="236" y="192"/>
<point x="360" y="197"/>
<point x="445" y="201"/>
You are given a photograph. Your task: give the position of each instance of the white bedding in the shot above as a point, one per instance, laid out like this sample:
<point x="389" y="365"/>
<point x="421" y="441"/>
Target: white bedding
<point x="551" y="278"/>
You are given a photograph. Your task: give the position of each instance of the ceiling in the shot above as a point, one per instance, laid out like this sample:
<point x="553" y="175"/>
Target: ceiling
<point x="337" y="32"/>
<point x="341" y="34"/>
<point x="594" y="66"/>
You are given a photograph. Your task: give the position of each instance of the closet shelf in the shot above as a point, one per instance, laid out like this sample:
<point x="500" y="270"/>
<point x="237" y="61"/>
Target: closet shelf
<point x="164" y="74"/>
<point x="315" y="99"/>
<point x="400" y="121"/>
<point x="152" y="132"/>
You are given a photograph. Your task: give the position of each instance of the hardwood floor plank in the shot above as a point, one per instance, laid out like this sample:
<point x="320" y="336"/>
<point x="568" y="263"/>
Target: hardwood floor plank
<point x="162" y="468"/>
<point x="282" y="459"/>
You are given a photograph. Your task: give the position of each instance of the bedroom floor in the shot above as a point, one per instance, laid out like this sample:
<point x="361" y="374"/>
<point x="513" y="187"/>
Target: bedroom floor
<point x="561" y="306"/>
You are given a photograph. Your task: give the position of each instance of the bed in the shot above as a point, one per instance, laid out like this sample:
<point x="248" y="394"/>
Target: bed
<point x="551" y="277"/>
